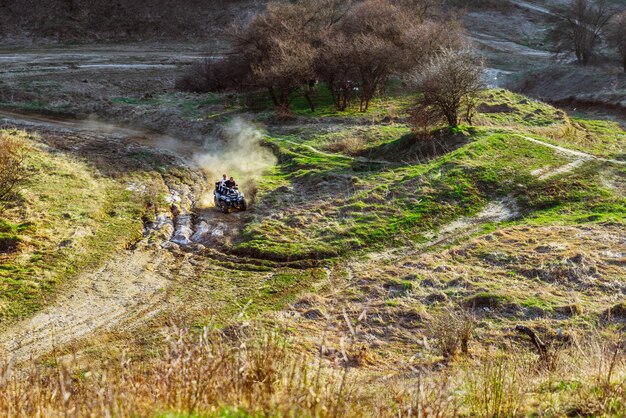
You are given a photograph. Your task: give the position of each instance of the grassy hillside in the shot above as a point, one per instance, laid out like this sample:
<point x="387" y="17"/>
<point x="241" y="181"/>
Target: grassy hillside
<point x="67" y="220"/>
<point x="356" y="187"/>
<point x="365" y="255"/>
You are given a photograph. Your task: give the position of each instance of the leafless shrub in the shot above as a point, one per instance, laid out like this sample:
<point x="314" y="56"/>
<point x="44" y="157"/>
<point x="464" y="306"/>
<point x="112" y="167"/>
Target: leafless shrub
<point x="449" y="85"/>
<point x="213" y="75"/>
<point x="14" y="172"/>
<point x="580" y="27"/>
<point x="617" y="35"/>
<point x="377" y="39"/>
<point x="352" y="47"/>
<point x="426" y="39"/>
<point x="286" y="69"/>
<point x="335" y="68"/>
<point x="280" y="47"/>
<point x="452" y="331"/>
<point x="423" y="119"/>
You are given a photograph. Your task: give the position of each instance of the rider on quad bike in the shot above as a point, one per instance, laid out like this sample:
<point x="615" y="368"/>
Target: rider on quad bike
<point x="227" y="195"/>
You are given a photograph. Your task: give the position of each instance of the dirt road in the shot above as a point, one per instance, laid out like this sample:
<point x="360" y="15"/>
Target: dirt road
<point x="127" y="290"/>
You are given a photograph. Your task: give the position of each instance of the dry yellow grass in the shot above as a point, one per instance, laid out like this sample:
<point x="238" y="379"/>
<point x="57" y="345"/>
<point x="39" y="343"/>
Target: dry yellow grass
<point x="238" y="373"/>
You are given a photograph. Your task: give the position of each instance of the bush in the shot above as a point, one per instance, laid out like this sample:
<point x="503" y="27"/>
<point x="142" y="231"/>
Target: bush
<point x="13" y="170"/>
<point x="450" y="84"/>
<point x="351" y="47"/>
<point x="452" y="331"/>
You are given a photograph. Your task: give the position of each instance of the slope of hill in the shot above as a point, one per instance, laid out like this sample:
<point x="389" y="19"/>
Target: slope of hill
<point x="357" y="234"/>
<point x="374" y="274"/>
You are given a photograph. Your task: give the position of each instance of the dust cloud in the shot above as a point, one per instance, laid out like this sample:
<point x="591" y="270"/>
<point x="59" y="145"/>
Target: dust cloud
<point x="242" y="156"/>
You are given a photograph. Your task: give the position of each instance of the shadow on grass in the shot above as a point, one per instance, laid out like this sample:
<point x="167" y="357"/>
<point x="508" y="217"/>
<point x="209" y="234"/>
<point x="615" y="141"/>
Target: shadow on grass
<point x="420" y="149"/>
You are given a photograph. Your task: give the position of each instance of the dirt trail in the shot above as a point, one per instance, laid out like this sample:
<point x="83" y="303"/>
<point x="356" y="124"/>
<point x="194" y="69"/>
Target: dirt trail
<point x="533" y="7"/>
<point x="498" y="210"/>
<point x="131" y="287"/>
<point x="567" y="151"/>
<point x="510" y="47"/>
<point x="128" y="289"/>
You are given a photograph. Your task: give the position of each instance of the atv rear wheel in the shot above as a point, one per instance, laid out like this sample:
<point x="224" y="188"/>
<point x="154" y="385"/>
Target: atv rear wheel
<point x="224" y="207"/>
<point x="244" y="205"/>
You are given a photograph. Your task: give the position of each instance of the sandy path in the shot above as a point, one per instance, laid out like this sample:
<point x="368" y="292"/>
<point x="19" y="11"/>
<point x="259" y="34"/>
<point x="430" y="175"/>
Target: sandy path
<point x="128" y="288"/>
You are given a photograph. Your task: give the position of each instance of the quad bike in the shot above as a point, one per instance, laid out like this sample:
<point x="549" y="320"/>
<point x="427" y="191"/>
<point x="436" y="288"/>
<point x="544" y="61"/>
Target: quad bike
<point x="227" y="198"/>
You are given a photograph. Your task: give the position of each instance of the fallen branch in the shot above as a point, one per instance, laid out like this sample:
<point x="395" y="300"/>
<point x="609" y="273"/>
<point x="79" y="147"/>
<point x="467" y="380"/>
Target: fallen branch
<point x="541" y="347"/>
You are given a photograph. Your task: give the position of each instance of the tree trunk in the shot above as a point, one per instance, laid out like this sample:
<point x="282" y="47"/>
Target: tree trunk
<point x="307" y="96"/>
<point x="452" y="118"/>
<point x="579" y="56"/>
<point x="336" y="96"/>
<point x="284" y="101"/>
<point x="273" y="96"/>
<point x="367" y="104"/>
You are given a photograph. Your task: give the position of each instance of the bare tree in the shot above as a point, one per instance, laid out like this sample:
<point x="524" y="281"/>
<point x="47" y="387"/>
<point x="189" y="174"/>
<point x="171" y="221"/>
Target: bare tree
<point x="354" y="48"/>
<point x="423" y="40"/>
<point x="286" y="69"/>
<point x="376" y="33"/>
<point x="375" y="40"/>
<point x="13" y="170"/>
<point x="281" y="46"/>
<point x="421" y="9"/>
<point x="580" y="27"/>
<point x="335" y="67"/>
<point x="617" y="35"/>
<point x="449" y="84"/>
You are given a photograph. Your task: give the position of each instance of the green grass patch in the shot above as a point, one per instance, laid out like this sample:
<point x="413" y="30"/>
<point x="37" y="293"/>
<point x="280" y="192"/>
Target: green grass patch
<point x="392" y="103"/>
<point x="321" y="201"/>
<point x="503" y="108"/>
<point x="69" y="220"/>
<point x="329" y="205"/>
